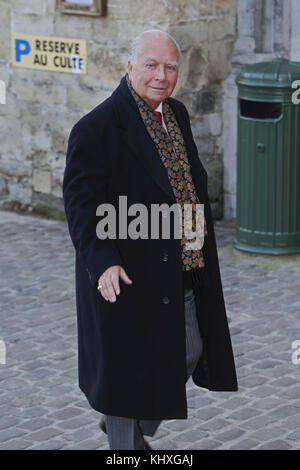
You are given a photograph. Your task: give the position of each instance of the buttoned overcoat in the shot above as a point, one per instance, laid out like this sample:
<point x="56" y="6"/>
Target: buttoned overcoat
<point x="132" y="352"/>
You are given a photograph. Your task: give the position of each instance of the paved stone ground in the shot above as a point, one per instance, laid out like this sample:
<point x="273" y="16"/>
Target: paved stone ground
<point x="41" y="406"/>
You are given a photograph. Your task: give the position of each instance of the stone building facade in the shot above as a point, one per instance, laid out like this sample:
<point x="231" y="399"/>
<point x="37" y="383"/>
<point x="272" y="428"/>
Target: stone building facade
<point x="265" y="30"/>
<point x="216" y="37"/>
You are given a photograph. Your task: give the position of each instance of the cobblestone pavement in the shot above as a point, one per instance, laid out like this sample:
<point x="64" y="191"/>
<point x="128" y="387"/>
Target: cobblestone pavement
<point x="41" y="406"/>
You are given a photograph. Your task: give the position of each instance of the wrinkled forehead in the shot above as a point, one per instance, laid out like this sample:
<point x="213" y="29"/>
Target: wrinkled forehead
<point x="157" y="47"/>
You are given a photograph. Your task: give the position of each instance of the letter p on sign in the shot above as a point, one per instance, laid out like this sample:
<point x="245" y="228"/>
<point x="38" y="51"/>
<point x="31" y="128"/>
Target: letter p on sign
<point x="22" y="47"/>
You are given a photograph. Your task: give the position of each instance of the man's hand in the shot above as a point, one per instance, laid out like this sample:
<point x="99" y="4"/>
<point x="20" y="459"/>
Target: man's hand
<point x="108" y="282"/>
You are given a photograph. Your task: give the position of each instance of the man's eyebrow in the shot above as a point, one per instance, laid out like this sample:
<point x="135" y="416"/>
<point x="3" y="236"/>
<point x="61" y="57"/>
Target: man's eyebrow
<point x="150" y="58"/>
<point x="170" y="62"/>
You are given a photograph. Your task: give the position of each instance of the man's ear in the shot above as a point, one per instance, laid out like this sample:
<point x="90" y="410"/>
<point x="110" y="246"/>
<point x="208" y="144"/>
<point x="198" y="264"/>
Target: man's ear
<point x="129" y="68"/>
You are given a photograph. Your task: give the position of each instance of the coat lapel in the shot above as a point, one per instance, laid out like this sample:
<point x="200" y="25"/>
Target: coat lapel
<point x="139" y="141"/>
<point x="137" y="138"/>
<point x="143" y="148"/>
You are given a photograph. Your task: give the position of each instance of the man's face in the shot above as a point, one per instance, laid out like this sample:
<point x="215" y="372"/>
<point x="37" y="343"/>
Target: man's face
<point x="154" y="73"/>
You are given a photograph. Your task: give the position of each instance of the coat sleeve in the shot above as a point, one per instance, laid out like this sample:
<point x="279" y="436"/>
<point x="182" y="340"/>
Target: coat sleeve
<point x="85" y="182"/>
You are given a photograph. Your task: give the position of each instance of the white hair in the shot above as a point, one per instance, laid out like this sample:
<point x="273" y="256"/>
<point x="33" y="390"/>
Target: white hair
<point x="137" y="41"/>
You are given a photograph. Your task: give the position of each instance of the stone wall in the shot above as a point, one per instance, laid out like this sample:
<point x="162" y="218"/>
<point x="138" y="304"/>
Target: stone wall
<point x="41" y="107"/>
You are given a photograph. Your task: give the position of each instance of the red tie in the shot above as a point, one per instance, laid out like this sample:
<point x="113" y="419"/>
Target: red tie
<point x="158" y="114"/>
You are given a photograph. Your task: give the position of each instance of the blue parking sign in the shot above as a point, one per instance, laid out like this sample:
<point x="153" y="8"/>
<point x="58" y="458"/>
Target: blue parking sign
<point x="22" y="47"/>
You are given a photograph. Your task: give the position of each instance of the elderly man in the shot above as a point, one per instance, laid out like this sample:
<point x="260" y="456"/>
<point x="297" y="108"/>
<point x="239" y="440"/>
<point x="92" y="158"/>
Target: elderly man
<point x="150" y="310"/>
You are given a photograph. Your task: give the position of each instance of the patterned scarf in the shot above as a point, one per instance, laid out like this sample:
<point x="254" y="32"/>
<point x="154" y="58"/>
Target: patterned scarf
<point x="172" y="150"/>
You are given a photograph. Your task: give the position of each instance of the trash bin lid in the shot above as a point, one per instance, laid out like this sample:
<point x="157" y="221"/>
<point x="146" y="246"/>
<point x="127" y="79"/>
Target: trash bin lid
<point x="270" y="81"/>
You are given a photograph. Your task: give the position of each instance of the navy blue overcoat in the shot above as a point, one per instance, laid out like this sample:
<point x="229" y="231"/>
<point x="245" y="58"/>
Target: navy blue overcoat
<point x="131" y="353"/>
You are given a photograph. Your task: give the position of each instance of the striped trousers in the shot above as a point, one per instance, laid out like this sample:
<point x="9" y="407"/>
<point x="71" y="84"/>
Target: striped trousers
<point x="127" y="433"/>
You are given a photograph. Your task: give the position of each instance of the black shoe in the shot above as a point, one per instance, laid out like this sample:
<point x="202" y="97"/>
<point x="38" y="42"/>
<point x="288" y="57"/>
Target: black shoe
<point x="147" y="446"/>
<point x="102" y="426"/>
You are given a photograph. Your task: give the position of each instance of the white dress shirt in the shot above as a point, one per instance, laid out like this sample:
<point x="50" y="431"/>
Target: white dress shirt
<point x="159" y="108"/>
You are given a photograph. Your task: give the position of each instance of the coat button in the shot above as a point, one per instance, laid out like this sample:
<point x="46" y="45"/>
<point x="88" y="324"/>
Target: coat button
<point x="165" y="257"/>
<point x="166" y="300"/>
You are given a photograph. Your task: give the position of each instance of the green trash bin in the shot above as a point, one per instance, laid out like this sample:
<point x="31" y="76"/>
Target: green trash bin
<point x="268" y="159"/>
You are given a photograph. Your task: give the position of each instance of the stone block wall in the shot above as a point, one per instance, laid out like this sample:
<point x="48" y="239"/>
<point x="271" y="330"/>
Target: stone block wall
<point x="41" y="107"/>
